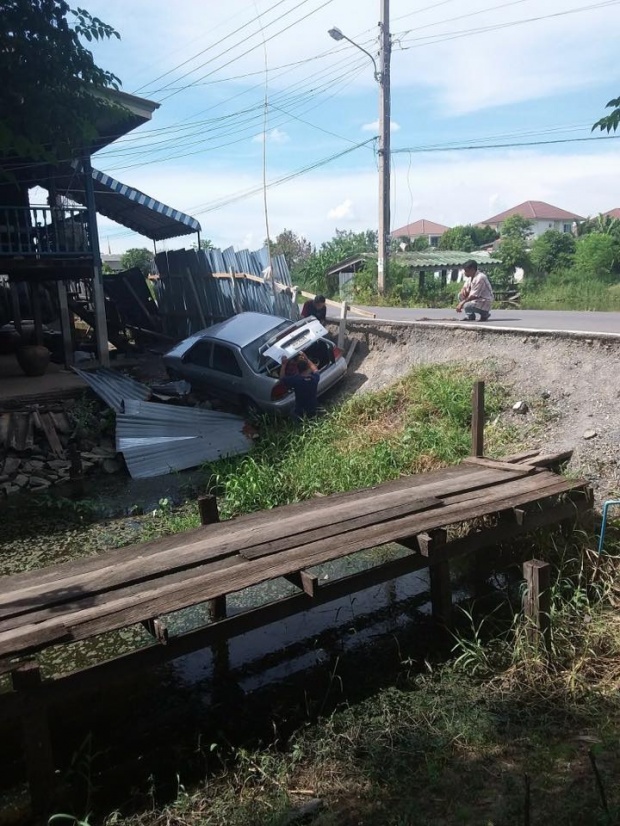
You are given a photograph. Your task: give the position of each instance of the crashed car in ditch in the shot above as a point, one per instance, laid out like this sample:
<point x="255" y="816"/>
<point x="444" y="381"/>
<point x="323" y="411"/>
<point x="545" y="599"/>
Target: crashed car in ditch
<point x="238" y="360"/>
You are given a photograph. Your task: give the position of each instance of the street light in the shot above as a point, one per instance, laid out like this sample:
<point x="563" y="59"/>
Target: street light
<point x="382" y="76"/>
<point x="336" y="34"/>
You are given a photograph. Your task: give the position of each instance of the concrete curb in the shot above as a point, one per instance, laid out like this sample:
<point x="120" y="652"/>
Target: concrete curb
<point x="577" y="335"/>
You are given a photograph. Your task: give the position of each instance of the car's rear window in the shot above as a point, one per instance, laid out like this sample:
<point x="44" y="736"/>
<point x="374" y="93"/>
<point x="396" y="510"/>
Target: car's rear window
<point x="251" y="352"/>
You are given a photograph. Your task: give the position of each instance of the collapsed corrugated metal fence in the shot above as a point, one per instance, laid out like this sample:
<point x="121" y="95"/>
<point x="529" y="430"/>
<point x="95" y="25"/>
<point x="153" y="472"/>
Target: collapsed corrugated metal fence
<point x="201" y="287"/>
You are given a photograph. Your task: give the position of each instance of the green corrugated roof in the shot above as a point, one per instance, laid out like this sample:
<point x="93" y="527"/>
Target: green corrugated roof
<point x="427" y="260"/>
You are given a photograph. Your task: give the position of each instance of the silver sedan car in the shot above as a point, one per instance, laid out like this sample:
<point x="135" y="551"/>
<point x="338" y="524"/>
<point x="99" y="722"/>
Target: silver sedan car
<point x="238" y="360"/>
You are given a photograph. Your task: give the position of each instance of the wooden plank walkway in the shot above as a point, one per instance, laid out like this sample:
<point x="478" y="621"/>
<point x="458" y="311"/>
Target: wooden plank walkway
<point x="113" y="590"/>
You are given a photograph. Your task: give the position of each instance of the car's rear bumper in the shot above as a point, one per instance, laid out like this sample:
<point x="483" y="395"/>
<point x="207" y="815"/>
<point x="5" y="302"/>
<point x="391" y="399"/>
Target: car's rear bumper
<point x="329" y="377"/>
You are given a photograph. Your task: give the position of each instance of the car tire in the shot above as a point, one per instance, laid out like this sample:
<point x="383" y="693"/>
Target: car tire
<point x="249" y="407"/>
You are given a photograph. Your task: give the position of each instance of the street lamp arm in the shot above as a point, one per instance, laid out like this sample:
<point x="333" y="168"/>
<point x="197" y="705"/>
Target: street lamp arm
<point x="336" y="34"/>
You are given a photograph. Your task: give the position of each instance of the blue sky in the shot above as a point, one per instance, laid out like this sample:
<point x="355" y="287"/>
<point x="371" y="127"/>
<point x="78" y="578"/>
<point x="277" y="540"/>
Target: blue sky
<point x="464" y="72"/>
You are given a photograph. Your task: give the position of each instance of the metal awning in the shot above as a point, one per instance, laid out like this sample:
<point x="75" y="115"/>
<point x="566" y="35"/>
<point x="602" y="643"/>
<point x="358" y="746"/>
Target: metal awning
<point x="140" y="212"/>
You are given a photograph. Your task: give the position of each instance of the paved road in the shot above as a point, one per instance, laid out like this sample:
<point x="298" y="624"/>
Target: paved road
<point x="583" y="322"/>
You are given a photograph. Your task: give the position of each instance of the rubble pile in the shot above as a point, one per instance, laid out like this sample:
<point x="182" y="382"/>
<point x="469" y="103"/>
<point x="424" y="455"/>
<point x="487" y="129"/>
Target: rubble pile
<point x="41" y="447"/>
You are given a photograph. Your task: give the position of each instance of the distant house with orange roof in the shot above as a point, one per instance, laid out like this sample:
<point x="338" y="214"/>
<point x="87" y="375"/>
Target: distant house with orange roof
<point x="613" y="213"/>
<point x="421" y="229"/>
<point x="542" y="215"/>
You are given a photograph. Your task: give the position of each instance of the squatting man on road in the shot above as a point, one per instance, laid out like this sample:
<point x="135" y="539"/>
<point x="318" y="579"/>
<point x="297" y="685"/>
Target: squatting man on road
<point x="476" y="295"/>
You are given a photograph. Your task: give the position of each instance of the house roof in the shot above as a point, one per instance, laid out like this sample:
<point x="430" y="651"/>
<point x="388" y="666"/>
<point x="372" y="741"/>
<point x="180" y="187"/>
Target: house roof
<point x="421" y="227"/>
<point x="613" y="213"/>
<point x="535" y="211"/>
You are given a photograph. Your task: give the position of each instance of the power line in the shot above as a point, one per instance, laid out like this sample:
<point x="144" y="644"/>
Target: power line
<point x="446" y="36"/>
<point x="206" y="49"/>
<point x="469" y="147"/>
<point x="253" y="48"/>
<point x="461" y="16"/>
<point x="203" y="209"/>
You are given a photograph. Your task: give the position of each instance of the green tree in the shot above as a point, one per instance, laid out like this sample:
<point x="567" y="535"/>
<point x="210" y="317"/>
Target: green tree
<point x="553" y="251"/>
<point x="457" y="238"/>
<point x="604" y="224"/>
<point x="597" y="256"/>
<point x="140" y="258"/>
<point x="467" y="237"/>
<point x="313" y="272"/>
<point x="516" y="227"/>
<point x="420" y="244"/>
<point x="609" y="123"/>
<point x="48" y="106"/>
<point x="205" y="244"/>
<point x="295" y="248"/>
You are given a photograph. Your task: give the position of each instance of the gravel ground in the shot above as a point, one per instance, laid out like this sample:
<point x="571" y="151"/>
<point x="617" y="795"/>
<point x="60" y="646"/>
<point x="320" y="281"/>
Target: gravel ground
<point x="571" y="384"/>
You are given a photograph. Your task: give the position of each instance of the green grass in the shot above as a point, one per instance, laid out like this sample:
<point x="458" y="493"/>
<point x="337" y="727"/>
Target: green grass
<point x="421" y="422"/>
<point x="572" y="294"/>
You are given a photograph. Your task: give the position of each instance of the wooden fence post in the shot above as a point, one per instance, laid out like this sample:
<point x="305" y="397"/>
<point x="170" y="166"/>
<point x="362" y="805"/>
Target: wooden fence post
<point x="537" y="602"/>
<point x="37" y="744"/>
<point x="342" y="327"/>
<point x="477" y="419"/>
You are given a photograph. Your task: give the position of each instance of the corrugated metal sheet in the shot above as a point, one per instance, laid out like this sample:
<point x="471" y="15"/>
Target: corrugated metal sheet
<point x="156" y="439"/>
<point x="113" y="387"/>
<point x="191" y="298"/>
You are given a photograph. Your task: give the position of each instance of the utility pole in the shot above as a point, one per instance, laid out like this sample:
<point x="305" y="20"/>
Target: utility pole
<point x="385" y="50"/>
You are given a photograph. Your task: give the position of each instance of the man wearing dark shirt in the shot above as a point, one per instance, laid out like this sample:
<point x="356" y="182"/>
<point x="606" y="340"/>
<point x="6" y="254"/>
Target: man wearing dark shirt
<point x="316" y="307"/>
<point x="305" y="385"/>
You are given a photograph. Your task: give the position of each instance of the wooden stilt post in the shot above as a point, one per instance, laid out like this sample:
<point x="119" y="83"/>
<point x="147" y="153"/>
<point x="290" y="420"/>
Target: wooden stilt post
<point x="37" y="743"/>
<point x="17" y="314"/>
<point x="66" y="323"/>
<point x="477" y="419"/>
<point x="35" y="298"/>
<point x="431" y="544"/>
<point x="537" y="602"/>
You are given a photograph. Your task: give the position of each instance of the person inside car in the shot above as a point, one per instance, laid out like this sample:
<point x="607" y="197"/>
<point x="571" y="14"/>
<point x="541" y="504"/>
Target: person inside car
<point x="304" y="383"/>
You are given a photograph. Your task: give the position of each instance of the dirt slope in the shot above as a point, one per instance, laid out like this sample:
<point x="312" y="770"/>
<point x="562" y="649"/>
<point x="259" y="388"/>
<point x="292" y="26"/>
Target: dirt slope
<point x="571" y="385"/>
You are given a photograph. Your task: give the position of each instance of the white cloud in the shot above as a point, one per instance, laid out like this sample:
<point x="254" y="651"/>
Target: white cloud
<point x="274" y="136"/>
<point x="449" y="188"/>
<point x="343" y="210"/>
<point x="374" y="126"/>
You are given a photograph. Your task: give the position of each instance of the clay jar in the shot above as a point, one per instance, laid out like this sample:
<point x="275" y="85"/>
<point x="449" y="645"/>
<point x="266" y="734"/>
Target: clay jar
<point x="33" y="359"/>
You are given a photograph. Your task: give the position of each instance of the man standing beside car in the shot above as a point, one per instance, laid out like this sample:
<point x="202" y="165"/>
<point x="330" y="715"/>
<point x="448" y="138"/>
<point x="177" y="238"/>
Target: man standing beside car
<point x="304" y="383"/>
<point x="315" y="307"/>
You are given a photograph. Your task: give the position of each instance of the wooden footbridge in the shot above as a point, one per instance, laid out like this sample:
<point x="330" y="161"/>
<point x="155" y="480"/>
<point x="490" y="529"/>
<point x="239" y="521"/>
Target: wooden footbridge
<point x="81" y="599"/>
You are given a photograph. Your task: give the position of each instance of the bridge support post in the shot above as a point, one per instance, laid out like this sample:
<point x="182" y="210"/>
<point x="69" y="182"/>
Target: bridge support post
<point x="209" y="515"/>
<point x="432" y="545"/>
<point x="37" y="742"/>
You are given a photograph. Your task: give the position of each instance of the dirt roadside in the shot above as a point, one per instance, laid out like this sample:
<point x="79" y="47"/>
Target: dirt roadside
<point x="571" y="384"/>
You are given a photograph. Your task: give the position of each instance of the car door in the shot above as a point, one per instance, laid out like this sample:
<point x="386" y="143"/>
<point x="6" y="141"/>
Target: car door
<point x="226" y="372"/>
<point x="196" y="365"/>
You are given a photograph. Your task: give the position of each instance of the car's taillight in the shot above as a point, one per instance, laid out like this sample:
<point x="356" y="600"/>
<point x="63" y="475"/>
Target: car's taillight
<point x="278" y="391"/>
<point x="337" y="353"/>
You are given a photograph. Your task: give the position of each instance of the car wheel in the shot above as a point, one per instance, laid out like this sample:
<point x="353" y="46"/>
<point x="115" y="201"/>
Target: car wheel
<point x="249" y="407"/>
